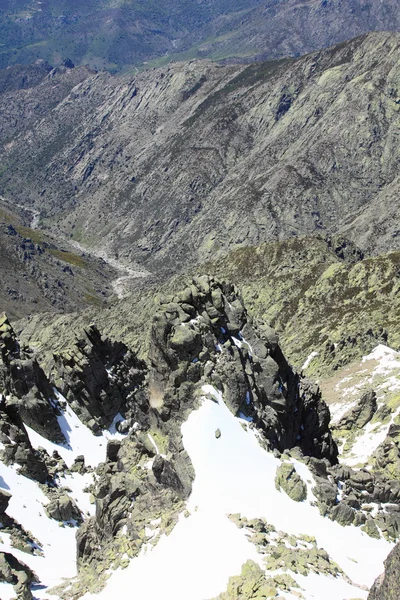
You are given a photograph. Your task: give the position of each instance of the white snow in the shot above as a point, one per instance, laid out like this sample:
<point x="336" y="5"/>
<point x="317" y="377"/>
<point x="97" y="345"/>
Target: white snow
<point x="386" y="356"/>
<point x="77" y="483"/>
<point x="365" y="445"/>
<point x="80" y="439"/>
<point x="235" y="475"/>
<point x="153" y="443"/>
<point x="382" y="373"/>
<point x="7" y="591"/>
<point x="308" y="360"/>
<point x="338" y="410"/>
<point x="27" y="502"/>
<point x="237" y="342"/>
<point x="57" y="542"/>
<point x="322" y="587"/>
<point x="247" y="344"/>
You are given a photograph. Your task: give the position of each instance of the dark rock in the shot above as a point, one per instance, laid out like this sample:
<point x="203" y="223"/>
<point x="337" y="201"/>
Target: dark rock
<point x="370" y="528"/>
<point x="27" y="388"/>
<point x="358" y="416"/>
<point x="165" y="474"/>
<point x="343" y="514"/>
<point x="78" y="465"/>
<point x="67" y="62"/>
<point x="113" y="447"/>
<point x="4" y="500"/>
<point x="387" y="585"/>
<point x="99" y="379"/>
<point x="63" y="508"/>
<point x="325" y="491"/>
<point x="18" y="574"/>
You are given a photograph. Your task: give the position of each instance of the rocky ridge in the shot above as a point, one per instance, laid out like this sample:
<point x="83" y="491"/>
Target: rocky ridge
<point x="200" y="336"/>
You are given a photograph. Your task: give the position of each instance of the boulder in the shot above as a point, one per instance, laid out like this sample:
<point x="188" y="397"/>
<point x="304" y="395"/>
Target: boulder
<point x="290" y="481"/>
<point x="343" y="514"/>
<point x="18" y="574"/>
<point x="4" y="500"/>
<point x="63" y="508"/>
<point x="361" y="414"/>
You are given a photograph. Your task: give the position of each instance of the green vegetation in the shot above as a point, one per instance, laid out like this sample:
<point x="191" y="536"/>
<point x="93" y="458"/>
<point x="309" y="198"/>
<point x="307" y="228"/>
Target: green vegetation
<point x="69" y="257"/>
<point x="316" y="300"/>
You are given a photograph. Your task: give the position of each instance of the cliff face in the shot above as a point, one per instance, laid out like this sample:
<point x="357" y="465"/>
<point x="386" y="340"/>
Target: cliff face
<point x="387" y="586"/>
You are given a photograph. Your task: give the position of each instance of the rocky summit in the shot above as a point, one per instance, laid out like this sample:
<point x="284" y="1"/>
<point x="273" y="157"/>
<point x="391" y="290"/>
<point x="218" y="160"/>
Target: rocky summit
<point x="103" y="443"/>
<point x="199" y="301"/>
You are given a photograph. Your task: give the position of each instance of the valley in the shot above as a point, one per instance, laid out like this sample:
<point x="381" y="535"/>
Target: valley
<point x="199" y="290"/>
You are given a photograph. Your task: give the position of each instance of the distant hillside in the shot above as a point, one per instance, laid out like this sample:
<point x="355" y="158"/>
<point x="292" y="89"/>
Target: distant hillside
<point x="119" y="34"/>
<point x="182" y="164"/>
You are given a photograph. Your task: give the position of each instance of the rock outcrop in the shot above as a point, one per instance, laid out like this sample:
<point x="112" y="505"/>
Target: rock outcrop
<point x="18" y="574"/>
<point x="99" y="378"/>
<point x="361" y="414"/>
<point x="204" y="333"/>
<point x="387" y="586"/>
<point x="201" y="335"/>
<point x="348" y="496"/>
<point x="24" y="386"/>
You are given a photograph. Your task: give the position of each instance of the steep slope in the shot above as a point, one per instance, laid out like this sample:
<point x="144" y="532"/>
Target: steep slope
<point x="320" y="295"/>
<point x="386" y="586"/>
<point x="117" y="35"/>
<point x="218" y="452"/>
<point x="40" y="274"/>
<point x="229" y="156"/>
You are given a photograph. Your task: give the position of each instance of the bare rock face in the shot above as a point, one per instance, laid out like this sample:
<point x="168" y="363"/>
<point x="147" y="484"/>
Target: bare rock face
<point x="387" y="586"/>
<point x="201" y="335"/>
<point x="25" y="387"/>
<point x="18" y="574"/>
<point x="204" y="333"/>
<point x="165" y="196"/>
<point x="361" y="414"/>
<point x="99" y="378"/>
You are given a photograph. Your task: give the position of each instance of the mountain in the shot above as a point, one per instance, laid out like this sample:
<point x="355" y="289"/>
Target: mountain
<point x="122" y="34"/>
<point x="212" y="455"/>
<point x="39" y="273"/>
<point x="322" y="297"/>
<point x="181" y="251"/>
<point x="142" y="168"/>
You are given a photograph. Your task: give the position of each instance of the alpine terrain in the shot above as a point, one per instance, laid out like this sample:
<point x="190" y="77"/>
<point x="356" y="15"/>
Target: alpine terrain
<point x="199" y="300"/>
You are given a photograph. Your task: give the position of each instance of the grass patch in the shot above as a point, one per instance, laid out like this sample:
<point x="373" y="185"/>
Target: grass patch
<point x="32" y="234"/>
<point x="69" y="257"/>
<point x="93" y="300"/>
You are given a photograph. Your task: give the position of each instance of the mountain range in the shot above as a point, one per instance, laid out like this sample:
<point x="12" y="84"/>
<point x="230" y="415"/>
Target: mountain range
<point x="232" y="155"/>
<point x="124" y="35"/>
<point x="199" y="270"/>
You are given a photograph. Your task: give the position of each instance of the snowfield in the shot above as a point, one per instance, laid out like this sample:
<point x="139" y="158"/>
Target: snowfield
<point x="379" y="370"/>
<point x="235" y="475"/>
<point x="57" y="541"/>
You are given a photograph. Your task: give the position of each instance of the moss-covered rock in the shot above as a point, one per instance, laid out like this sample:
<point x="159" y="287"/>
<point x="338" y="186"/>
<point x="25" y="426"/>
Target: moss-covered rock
<point x="290" y="481"/>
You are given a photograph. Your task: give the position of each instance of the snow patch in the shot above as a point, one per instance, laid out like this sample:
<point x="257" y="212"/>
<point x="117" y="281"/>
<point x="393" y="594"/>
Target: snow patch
<point x="80" y="439"/>
<point x="308" y="360"/>
<point x="235" y="475"/>
<point x="57" y="542"/>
